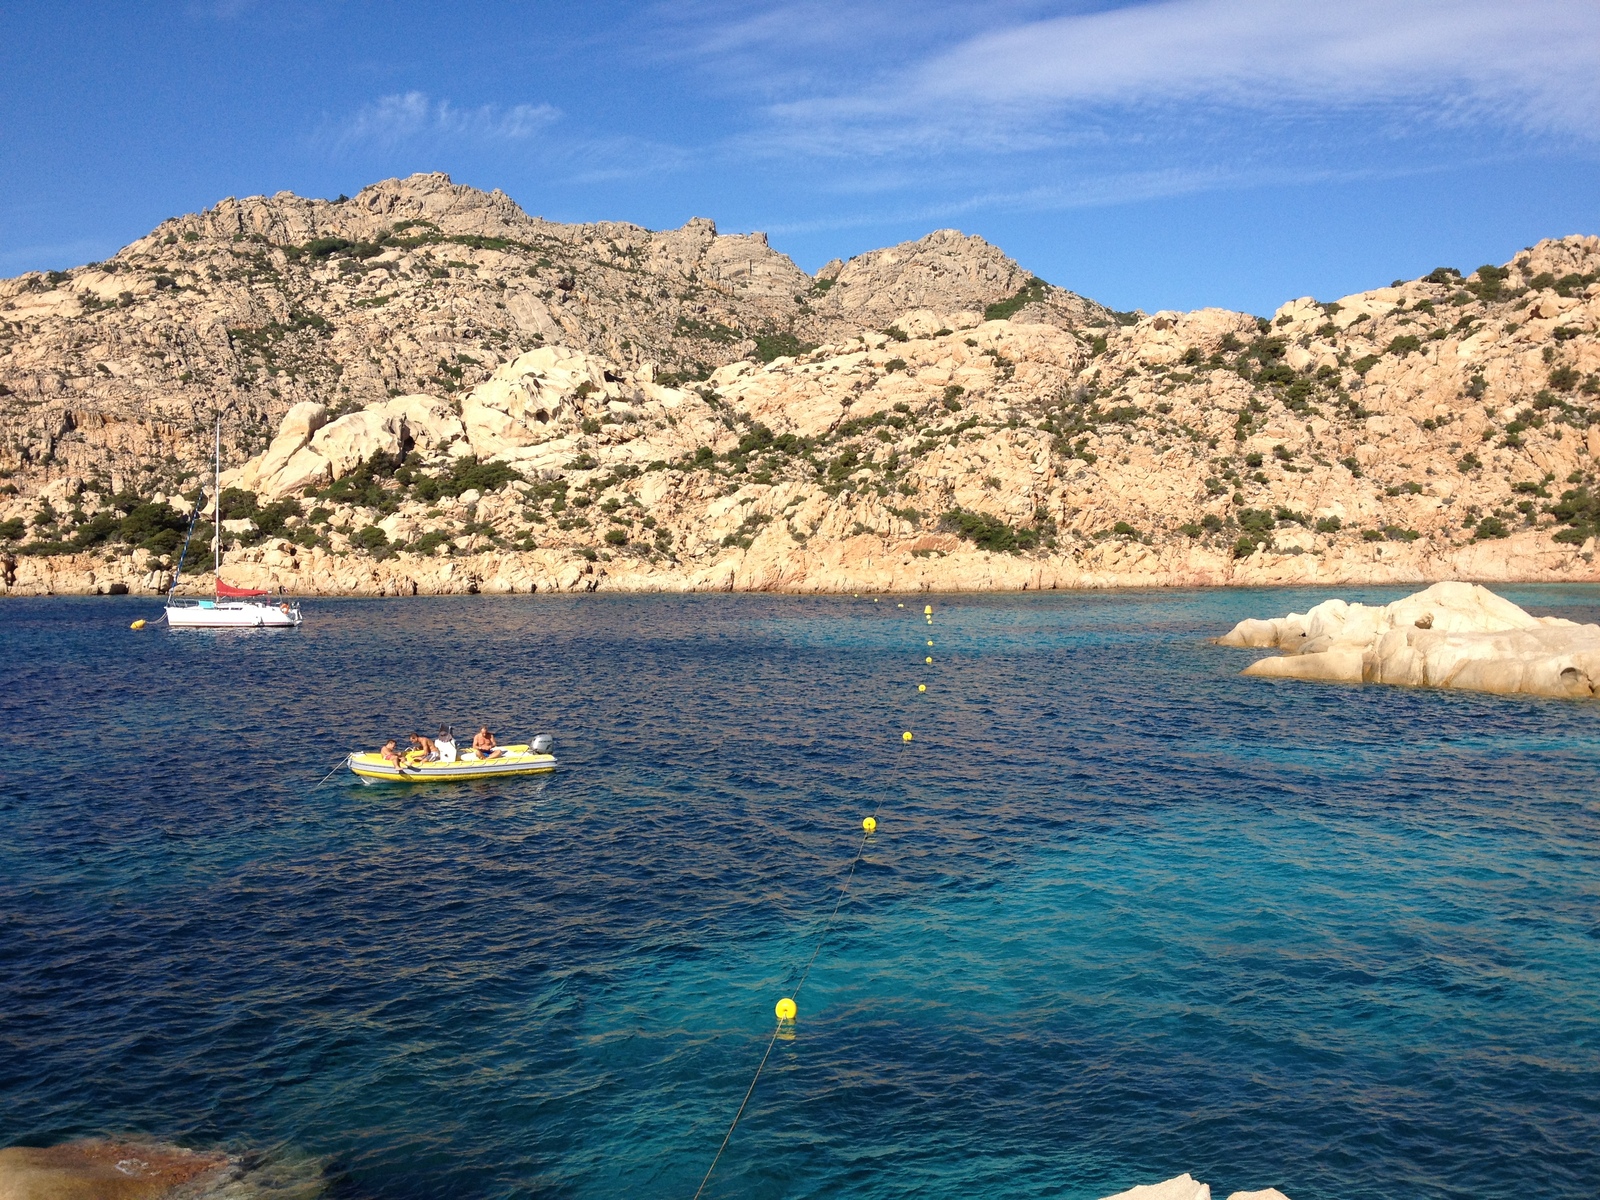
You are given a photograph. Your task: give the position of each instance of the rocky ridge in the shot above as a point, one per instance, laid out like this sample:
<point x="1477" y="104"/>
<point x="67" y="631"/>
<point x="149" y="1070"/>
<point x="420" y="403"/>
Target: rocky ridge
<point x="924" y="417"/>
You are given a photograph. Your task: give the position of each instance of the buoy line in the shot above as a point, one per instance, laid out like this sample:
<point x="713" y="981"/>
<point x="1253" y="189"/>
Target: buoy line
<point x="786" y="1009"/>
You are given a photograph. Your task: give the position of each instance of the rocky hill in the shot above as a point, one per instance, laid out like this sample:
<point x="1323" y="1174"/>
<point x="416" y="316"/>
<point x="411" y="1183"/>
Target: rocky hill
<point x="427" y="390"/>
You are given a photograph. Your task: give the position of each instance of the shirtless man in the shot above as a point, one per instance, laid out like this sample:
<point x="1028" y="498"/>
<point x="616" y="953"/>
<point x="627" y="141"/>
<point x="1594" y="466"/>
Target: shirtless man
<point x="483" y="743"/>
<point x="422" y="749"/>
<point x="389" y="753"/>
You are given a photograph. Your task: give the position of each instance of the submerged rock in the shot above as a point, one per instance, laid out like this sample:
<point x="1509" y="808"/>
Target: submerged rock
<point x="1456" y="635"/>
<point x="96" y="1169"/>
<point x="129" y="1169"/>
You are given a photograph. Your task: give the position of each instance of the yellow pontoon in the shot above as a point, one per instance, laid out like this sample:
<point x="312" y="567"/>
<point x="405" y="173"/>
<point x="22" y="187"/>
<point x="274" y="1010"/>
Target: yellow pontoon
<point x="512" y="760"/>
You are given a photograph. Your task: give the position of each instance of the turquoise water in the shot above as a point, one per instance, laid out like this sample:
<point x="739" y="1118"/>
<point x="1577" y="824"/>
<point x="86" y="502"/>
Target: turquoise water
<point x="1126" y="914"/>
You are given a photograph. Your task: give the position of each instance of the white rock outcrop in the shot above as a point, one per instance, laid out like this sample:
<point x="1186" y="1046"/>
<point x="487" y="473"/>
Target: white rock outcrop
<point x="1184" y="1187"/>
<point x="537" y="397"/>
<point x="1453" y="634"/>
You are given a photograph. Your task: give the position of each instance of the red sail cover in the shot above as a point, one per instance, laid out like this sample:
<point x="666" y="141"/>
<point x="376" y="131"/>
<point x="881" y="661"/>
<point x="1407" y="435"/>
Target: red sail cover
<point x="236" y="593"/>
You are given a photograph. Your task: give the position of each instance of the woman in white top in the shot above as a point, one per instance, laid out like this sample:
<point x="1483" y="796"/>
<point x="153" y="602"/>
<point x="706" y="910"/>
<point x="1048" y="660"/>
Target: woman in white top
<point x="445" y="743"/>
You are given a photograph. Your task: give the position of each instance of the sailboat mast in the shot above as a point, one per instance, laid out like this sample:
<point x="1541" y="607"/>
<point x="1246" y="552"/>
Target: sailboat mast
<point x="216" y="505"/>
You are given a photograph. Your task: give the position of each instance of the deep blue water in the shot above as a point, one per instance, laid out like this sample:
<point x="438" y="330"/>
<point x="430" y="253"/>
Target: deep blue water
<point x="1126" y="914"/>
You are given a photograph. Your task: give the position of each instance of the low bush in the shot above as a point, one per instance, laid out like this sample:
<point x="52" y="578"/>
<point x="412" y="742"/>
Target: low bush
<point x="988" y="532"/>
<point x="1033" y="291"/>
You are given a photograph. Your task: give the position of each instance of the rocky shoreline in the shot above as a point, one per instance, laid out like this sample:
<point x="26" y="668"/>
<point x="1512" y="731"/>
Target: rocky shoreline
<point x="863" y="564"/>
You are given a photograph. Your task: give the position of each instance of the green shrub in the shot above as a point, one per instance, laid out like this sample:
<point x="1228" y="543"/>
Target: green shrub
<point x="1252" y="460"/>
<point x="1244" y="547"/>
<point x="1190" y="529"/>
<point x="1564" y="379"/>
<point x="952" y="394"/>
<point x="893" y="365"/>
<point x="1034" y="290"/>
<point x="1211" y="523"/>
<point x="617" y="537"/>
<point x="1404" y="344"/>
<point x="988" y="532"/>
<point x="1579" y="510"/>
<point x="12" y="530"/>
<point x="895" y="333"/>
<point x="1364" y="364"/>
<point x="372" y="539"/>
<point x="770" y="346"/>
<point x="1468" y="462"/>
<point x="158" y="528"/>
<point x="430" y="541"/>
<point x="1329" y="525"/>
<point x="1256" y="520"/>
<point x="1396" y="533"/>
<point x="1372" y="535"/>
<point x="1489" y="282"/>
<point x="1491" y="527"/>
<point x="1123" y="529"/>
<point x="1444" y="275"/>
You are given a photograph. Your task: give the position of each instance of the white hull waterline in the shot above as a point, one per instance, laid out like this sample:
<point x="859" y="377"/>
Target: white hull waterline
<point x="232" y="614"/>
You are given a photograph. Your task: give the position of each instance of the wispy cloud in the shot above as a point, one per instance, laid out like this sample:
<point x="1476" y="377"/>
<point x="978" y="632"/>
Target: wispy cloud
<point x="410" y="117"/>
<point x="1530" y="66"/>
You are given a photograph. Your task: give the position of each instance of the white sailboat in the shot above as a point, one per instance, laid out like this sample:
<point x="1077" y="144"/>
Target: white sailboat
<point x="233" y="607"/>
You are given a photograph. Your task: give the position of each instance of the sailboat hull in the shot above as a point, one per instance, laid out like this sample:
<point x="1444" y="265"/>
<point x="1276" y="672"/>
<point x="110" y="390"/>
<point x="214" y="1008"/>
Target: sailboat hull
<point x="232" y="614"/>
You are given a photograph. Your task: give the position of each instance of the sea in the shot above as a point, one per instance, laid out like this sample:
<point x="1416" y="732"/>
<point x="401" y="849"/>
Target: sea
<point x="1125" y="913"/>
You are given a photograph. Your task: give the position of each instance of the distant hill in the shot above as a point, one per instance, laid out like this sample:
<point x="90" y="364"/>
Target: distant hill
<point x="426" y="389"/>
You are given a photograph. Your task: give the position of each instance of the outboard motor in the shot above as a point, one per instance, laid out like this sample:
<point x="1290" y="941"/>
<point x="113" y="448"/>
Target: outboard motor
<point x="542" y="744"/>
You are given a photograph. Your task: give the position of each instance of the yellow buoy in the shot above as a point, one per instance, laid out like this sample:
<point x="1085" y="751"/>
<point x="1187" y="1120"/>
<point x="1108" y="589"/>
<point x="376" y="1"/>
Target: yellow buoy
<point x="899" y="605"/>
<point x="874" y="599"/>
<point x="870" y="824"/>
<point x="930" y="641"/>
<point x="139" y="624"/>
<point x="906" y="736"/>
<point x="785" y="1009"/>
<point x="929" y="660"/>
<point x="922" y="687"/>
<point x="928" y="608"/>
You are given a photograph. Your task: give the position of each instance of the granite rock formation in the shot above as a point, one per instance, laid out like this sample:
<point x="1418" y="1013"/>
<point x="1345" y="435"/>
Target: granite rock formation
<point x="1454" y="635"/>
<point x="427" y="390"/>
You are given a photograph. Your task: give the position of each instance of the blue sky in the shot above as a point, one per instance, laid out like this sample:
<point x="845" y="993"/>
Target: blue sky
<point x="1163" y="154"/>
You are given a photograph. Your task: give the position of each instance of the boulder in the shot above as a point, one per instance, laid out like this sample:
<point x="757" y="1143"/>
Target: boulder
<point x="1263" y="1194"/>
<point x="351" y="440"/>
<point x="95" y="1169"/>
<point x="428" y="419"/>
<point x="1184" y="1187"/>
<point x="1453" y="634"/>
<point x="305" y="469"/>
<point x="531" y="400"/>
<point x="259" y="475"/>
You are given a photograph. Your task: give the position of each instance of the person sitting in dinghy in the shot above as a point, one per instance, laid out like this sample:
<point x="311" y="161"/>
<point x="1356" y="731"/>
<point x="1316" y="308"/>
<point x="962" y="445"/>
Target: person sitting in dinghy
<point x="445" y="745"/>
<point x="422" y="749"/>
<point x="390" y="753"/>
<point x="484" y="744"/>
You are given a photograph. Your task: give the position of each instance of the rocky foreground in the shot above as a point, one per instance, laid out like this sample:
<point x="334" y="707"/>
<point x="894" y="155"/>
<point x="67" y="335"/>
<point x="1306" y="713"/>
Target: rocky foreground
<point x="136" y="1169"/>
<point x="428" y="391"/>
<point x="1186" y="1187"/>
<point x="107" y="1169"/>
<point x="1453" y="635"/>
